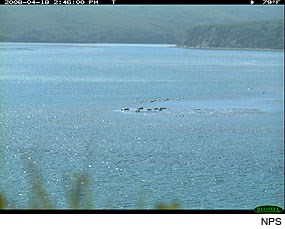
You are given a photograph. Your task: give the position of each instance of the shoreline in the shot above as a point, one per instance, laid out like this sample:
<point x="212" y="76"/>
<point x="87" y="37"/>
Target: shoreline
<point x="146" y="44"/>
<point x="224" y="48"/>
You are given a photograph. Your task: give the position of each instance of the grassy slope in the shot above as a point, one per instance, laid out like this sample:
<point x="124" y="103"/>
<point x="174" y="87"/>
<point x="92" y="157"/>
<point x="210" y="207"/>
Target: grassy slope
<point x="118" y="24"/>
<point x="259" y="35"/>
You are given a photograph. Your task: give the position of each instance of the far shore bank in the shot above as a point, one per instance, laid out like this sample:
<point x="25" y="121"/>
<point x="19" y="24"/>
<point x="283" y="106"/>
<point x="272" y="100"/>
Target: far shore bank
<point x="144" y="44"/>
<point x="225" y="48"/>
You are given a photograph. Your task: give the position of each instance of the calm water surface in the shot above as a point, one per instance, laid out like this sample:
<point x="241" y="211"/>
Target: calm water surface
<point x="219" y="146"/>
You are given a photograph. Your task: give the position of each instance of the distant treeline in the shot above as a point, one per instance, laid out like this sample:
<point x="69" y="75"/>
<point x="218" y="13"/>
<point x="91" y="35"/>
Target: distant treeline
<point x="251" y="35"/>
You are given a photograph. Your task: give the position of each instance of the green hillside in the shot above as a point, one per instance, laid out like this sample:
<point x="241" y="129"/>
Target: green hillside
<point x="252" y="35"/>
<point x="119" y="23"/>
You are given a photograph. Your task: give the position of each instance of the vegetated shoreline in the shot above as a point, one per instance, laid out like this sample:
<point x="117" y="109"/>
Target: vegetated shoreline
<point x="171" y="45"/>
<point x="227" y="48"/>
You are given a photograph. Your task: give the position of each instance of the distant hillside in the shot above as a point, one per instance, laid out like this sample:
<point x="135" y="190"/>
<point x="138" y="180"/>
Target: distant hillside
<point x="252" y="35"/>
<point x="119" y="23"/>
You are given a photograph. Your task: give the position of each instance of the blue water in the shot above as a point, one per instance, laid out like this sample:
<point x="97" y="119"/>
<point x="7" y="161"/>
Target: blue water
<point x="218" y="144"/>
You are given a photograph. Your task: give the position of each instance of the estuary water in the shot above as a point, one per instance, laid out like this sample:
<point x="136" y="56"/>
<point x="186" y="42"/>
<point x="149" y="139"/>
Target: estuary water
<point x="218" y="144"/>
